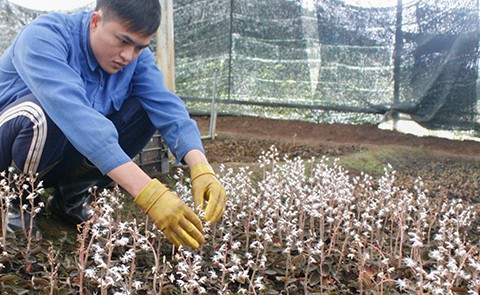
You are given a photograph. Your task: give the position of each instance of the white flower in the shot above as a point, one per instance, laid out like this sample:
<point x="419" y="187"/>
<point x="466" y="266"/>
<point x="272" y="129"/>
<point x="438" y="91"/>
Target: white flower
<point x="30" y="196"/>
<point x="416" y="241"/>
<point x="475" y="264"/>
<point x="90" y="273"/>
<point x="122" y="241"/>
<point x="432" y="276"/>
<point x="137" y="285"/>
<point x="99" y="260"/>
<point x="410" y="262"/>
<point x="256" y="245"/>
<point x="144" y="247"/>
<point x="128" y="256"/>
<point x="437" y="255"/>
<point x="452" y="265"/>
<point x="213" y="275"/>
<point x="401" y="283"/>
<point x="259" y="284"/>
<point x="236" y="245"/>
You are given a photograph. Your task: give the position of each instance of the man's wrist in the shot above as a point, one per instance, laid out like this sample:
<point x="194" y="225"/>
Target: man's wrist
<point x="194" y="157"/>
<point x="150" y="194"/>
<point x="200" y="169"/>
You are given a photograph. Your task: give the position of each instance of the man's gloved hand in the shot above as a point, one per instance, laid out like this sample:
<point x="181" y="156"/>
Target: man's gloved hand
<point x="176" y="220"/>
<point x="206" y="187"/>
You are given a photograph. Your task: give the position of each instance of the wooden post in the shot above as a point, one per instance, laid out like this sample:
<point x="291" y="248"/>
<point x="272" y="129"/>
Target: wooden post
<point x="165" y="45"/>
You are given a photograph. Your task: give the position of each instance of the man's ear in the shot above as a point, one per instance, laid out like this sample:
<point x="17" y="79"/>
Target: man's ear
<point x="95" y="19"/>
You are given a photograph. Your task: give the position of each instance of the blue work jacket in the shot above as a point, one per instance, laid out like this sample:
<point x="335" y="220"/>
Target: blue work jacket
<point x="51" y="57"/>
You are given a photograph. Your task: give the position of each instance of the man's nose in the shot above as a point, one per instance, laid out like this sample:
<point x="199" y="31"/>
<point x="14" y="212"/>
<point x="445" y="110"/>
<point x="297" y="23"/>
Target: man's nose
<point x="128" y="54"/>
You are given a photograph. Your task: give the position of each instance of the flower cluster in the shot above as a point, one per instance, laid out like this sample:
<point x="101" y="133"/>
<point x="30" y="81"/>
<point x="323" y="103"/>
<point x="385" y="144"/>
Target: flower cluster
<point x="291" y="226"/>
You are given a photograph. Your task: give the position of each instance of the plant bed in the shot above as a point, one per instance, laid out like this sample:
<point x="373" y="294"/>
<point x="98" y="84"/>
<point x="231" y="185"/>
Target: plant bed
<point x="313" y="222"/>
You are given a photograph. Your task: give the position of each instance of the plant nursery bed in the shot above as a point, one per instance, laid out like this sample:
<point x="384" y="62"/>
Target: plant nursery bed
<point x="448" y="168"/>
<point x="311" y="209"/>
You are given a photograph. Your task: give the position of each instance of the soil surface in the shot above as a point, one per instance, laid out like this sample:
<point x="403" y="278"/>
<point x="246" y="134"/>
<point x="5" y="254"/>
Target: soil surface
<point x="239" y="138"/>
<point x="447" y="168"/>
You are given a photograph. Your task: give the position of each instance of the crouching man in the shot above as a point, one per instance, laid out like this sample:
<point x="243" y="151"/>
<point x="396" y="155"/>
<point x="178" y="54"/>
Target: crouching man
<point x="80" y="96"/>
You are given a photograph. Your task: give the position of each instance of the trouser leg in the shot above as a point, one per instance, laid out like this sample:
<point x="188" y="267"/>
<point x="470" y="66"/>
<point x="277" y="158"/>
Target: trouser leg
<point x="26" y="132"/>
<point x="74" y="176"/>
<point x="29" y="140"/>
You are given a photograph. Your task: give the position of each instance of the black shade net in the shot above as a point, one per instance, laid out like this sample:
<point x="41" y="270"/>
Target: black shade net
<point x="323" y="60"/>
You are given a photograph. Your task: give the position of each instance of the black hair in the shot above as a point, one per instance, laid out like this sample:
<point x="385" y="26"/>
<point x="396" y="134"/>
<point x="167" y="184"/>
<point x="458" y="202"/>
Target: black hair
<point x="139" y="16"/>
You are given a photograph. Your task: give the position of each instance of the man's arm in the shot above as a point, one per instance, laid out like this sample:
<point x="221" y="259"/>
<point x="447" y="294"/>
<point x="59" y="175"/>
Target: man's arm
<point x="132" y="178"/>
<point x="194" y="157"/>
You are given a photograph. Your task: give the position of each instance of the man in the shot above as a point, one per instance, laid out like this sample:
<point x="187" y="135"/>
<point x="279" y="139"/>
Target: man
<point x="80" y="96"/>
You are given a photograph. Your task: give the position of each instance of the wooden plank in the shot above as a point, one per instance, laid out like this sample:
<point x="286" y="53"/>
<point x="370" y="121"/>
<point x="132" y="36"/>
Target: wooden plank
<point x="165" y="45"/>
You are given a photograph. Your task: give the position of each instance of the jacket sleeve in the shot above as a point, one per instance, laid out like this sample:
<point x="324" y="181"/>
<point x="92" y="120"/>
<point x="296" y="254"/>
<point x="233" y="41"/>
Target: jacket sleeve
<point x="166" y="110"/>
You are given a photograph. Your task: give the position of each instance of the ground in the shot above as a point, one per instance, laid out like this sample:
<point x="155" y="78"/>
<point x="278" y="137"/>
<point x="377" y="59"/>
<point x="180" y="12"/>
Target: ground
<point x="319" y="137"/>
<point x="448" y="168"/>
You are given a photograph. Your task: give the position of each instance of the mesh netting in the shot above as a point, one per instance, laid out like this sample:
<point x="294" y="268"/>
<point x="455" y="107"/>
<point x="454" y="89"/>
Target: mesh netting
<point x="327" y="60"/>
<point x="14" y="17"/>
<point x="324" y="60"/>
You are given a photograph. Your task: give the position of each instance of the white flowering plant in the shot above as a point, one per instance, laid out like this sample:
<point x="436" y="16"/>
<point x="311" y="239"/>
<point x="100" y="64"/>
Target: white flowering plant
<point x="292" y="226"/>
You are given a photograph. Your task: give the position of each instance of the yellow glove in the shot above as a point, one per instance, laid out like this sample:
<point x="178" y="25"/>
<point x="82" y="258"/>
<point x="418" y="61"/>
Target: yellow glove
<point x="206" y="187"/>
<point x="177" y="221"/>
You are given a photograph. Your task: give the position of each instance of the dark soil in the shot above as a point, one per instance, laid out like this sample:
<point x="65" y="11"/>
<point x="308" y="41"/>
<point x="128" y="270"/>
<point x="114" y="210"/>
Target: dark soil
<point x="448" y="168"/>
<point x="240" y="137"/>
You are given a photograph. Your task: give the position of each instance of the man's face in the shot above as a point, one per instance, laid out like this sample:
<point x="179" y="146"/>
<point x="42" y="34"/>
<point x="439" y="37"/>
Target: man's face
<point x="113" y="45"/>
